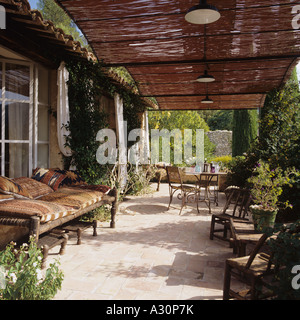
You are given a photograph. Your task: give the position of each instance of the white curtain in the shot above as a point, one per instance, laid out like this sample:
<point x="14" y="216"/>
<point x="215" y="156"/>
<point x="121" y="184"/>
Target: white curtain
<point x="18" y="121"/>
<point x="121" y="129"/>
<point x="146" y="137"/>
<point x="63" y="116"/>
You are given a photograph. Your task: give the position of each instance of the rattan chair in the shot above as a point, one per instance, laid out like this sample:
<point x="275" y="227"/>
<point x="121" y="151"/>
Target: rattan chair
<point x="175" y="184"/>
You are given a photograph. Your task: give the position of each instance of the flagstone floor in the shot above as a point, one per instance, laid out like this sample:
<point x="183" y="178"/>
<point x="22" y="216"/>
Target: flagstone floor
<point x="152" y="254"/>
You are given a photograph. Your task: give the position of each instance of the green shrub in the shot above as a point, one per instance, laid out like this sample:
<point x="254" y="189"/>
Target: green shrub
<point x="286" y="249"/>
<point x="225" y="160"/>
<point x="22" y="274"/>
<point x="241" y="168"/>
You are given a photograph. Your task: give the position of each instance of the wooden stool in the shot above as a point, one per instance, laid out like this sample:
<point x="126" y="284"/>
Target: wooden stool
<point x="79" y="227"/>
<point x="51" y="240"/>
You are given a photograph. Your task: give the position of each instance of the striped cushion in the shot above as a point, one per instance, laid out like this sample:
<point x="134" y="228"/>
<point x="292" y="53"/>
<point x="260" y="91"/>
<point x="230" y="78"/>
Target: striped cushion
<point x="18" y="208"/>
<point x="75" y="197"/>
<point x="97" y="187"/>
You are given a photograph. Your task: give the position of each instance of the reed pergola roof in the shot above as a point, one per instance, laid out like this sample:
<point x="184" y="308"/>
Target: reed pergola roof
<point x="250" y="50"/>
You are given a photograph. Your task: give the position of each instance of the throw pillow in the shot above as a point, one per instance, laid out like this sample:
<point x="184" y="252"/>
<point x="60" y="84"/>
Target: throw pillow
<point x="72" y="178"/>
<point x="8" y="186"/>
<point x="51" y="178"/>
<point x="35" y="188"/>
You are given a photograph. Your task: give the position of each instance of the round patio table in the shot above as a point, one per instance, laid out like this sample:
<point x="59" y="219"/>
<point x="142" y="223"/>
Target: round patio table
<point x="205" y="180"/>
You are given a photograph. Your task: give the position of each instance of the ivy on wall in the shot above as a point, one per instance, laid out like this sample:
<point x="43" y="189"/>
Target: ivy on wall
<point x="87" y="83"/>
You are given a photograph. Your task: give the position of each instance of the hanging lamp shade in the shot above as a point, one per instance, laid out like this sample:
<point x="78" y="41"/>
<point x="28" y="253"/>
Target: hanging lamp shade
<point x="202" y="13"/>
<point x="206" y="77"/>
<point x="207" y="100"/>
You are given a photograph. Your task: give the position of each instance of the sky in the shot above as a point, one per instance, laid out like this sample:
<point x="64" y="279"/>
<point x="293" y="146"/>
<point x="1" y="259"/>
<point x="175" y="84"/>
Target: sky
<point x="33" y="4"/>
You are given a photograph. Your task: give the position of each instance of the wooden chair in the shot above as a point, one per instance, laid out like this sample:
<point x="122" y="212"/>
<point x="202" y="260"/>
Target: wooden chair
<point x="250" y="270"/>
<point x="237" y="204"/>
<point x="175" y="184"/>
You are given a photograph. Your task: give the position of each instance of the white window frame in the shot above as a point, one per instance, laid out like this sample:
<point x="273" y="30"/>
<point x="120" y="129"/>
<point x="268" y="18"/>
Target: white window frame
<point x="33" y="114"/>
<point x="37" y="103"/>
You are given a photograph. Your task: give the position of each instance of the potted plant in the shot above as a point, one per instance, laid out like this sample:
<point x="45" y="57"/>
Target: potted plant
<point x="266" y="187"/>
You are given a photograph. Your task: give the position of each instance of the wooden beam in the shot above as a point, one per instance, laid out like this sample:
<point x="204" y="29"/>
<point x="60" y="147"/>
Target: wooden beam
<point x="180" y="62"/>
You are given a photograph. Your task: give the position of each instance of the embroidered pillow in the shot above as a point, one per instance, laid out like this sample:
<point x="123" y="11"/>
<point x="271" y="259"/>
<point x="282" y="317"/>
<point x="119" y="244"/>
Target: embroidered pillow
<point x="72" y="178"/>
<point x="35" y="188"/>
<point x="8" y="186"/>
<point x="38" y="173"/>
<point x="51" y="178"/>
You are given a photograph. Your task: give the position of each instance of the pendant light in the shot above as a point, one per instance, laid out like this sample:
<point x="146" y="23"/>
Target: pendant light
<point x="202" y="13"/>
<point x="205" y="77"/>
<point x="207" y="100"/>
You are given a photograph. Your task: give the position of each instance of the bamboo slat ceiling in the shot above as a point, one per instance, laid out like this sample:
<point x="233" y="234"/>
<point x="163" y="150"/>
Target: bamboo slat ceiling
<point x="250" y="50"/>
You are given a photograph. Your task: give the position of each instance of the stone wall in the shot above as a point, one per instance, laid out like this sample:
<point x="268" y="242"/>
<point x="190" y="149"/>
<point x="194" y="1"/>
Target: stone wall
<point x="223" y="141"/>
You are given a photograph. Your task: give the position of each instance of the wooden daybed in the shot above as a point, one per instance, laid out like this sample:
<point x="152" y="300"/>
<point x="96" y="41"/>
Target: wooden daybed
<point x="57" y="203"/>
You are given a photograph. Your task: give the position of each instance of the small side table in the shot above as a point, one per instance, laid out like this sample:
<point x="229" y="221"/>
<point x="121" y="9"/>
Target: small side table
<point x="78" y="227"/>
<point x="50" y="241"/>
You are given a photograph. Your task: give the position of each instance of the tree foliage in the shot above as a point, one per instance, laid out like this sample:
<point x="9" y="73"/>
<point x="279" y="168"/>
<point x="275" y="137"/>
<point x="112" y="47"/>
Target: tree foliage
<point x="221" y="120"/>
<point x="278" y="143"/>
<point x="181" y="120"/>
<point x="245" y="125"/>
<point x="51" y="11"/>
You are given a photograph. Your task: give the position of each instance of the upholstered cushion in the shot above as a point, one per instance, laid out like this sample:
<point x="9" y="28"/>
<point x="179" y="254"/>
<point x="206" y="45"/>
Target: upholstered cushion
<point x="75" y="197"/>
<point x="61" y="198"/>
<point x="19" y="208"/>
<point x="72" y="178"/>
<point x="98" y="187"/>
<point x="4" y="197"/>
<point x="51" y="178"/>
<point x="35" y="188"/>
<point x="8" y="186"/>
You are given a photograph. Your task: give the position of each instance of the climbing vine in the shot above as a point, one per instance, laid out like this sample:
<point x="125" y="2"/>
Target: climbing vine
<point x="87" y="83"/>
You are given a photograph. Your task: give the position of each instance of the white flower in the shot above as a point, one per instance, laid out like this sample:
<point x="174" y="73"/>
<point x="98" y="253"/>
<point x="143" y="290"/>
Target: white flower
<point x="39" y="274"/>
<point x="13" y="277"/>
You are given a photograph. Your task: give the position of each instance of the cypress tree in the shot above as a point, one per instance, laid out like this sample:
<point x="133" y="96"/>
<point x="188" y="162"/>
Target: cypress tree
<point x="245" y="126"/>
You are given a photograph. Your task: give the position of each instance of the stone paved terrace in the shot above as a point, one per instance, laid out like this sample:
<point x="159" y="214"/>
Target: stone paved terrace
<point x="152" y="254"/>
